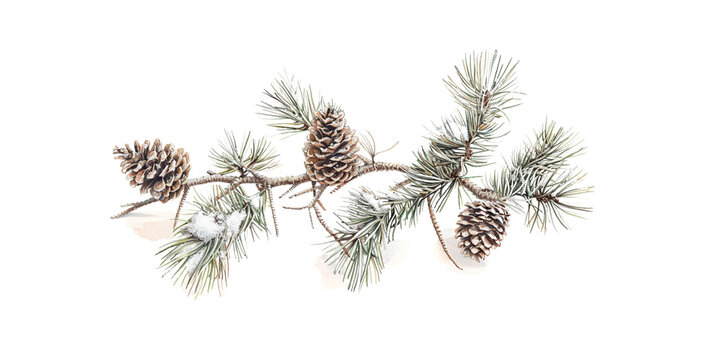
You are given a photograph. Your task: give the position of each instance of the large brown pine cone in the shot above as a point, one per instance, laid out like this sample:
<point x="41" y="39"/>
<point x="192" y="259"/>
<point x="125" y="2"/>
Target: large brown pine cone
<point x="331" y="148"/>
<point x="481" y="227"/>
<point x="162" y="171"/>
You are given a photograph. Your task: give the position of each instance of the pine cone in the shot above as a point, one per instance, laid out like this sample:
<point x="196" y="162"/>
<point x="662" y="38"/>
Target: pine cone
<point x="162" y="171"/>
<point x="481" y="227"/>
<point x="331" y="148"/>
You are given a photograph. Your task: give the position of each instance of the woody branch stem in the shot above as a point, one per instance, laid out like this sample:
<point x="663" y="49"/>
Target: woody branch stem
<point x="480" y="193"/>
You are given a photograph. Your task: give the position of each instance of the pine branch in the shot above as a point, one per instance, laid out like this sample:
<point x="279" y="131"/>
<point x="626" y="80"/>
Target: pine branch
<point x="235" y="181"/>
<point x="485" y="89"/>
<point x="484" y="86"/>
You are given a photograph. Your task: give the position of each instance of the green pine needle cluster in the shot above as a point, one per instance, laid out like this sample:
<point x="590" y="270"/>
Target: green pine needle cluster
<point x="253" y="155"/>
<point x="367" y="223"/>
<point x="289" y="105"/>
<point x="199" y="265"/>
<point x="540" y="173"/>
<point x="485" y="84"/>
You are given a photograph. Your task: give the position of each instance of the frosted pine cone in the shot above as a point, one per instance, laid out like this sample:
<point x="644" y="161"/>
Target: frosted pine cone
<point x="481" y="227"/>
<point x="161" y="171"/>
<point x="331" y="148"/>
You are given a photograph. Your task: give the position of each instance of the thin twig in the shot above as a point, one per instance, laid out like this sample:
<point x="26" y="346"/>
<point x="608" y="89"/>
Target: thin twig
<point x="327" y="228"/>
<point x="293" y="186"/>
<point x="182" y="201"/>
<point x="315" y="199"/>
<point x="439" y="233"/>
<point x="300" y="193"/>
<point x="480" y="193"/>
<point x="340" y="186"/>
<point x="400" y="184"/>
<point x="136" y="205"/>
<point x="227" y="190"/>
<point x="272" y="209"/>
<point x="372" y="168"/>
<point x="266" y="186"/>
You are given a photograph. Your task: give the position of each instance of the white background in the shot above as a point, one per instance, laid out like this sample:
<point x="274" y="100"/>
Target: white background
<point x="638" y="81"/>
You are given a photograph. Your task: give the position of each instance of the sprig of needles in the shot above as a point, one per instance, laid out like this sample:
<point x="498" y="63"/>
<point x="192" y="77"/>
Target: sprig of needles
<point x="255" y="154"/>
<point x="199" y="265"/>
<point x="540" y="173"/>
<point x="289" y="105"/>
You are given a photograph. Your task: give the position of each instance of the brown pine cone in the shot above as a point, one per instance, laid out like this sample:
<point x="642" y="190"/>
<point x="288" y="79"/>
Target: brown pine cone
<point x="481" y="227"/>
<point x="161" y="171"/>
<point x="331" y="148"/>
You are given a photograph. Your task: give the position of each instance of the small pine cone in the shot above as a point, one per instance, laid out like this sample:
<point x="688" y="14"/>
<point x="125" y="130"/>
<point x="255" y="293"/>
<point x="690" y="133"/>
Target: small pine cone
<point x="162" y="171"/>
<point x="331" y="148"/>
<point x="481" y="227"/>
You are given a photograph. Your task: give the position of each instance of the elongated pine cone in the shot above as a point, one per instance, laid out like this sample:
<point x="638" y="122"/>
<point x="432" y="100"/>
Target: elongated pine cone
<point x="481" y="227"/>
<point x="162" y="171"/>
<point x="331" y="148"/>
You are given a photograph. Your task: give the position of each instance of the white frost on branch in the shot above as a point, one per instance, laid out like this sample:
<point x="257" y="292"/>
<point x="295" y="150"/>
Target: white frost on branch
<point x="234" y="221"/>
<point x="372" y="200"/>
<point x="210" y="228"/>
<point x="205" y="227"/>
<point x="193" y="262"/>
